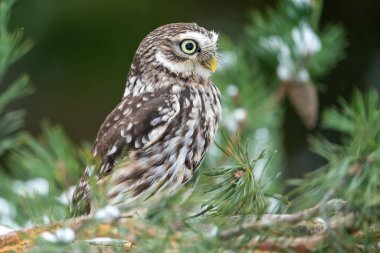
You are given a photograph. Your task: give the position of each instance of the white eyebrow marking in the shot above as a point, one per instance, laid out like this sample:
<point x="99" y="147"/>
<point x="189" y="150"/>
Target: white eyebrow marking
<point x="197" y="36"/>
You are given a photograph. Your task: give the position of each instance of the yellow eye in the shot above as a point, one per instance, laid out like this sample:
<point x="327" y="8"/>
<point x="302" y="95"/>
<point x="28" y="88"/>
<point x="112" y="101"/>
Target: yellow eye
<point x="189" y="46"/>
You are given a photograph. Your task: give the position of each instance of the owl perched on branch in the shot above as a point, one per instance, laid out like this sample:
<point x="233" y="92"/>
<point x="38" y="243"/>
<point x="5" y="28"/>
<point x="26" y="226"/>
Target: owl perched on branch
<point x="157" y="136"/>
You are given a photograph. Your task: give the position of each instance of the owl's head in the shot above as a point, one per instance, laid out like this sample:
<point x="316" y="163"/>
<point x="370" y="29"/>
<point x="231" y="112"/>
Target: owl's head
<point x="184" y="49"/>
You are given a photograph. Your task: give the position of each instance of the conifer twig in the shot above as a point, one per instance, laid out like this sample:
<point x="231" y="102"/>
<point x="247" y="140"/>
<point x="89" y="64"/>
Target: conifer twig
<point x="303" y="243"/>
<point x="270" y="220"/>
<point x="23" y="239"/>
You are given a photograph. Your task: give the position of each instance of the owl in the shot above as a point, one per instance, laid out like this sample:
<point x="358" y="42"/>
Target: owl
<point x="157" y="136"/>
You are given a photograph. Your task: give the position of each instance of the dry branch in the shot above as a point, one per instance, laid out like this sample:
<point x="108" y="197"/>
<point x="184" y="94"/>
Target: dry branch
<point x="86" y="228"/>
<point x="303" y="243"/>
<point x="270" y="220"/>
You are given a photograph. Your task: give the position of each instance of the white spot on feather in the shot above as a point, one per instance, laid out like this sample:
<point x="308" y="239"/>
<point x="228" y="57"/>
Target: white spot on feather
<point x="137" y="144"/>
<point x="120" y="107"/>
<point x="176" y="88"/>
<point x="126" y="92"/>
<point x="153" y="133"/>
<point x="127" y="111"/>
<point x="145" y="139"/>
<point x="187" y="103"/>
<point x="112" y="150"/>
<point x="164" y="111"/>
<point x="155" y="121"/>
<point x="89" y="170"/>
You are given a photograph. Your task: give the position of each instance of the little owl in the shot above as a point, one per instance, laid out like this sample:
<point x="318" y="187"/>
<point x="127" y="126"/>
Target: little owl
<point x="157" y="136"/>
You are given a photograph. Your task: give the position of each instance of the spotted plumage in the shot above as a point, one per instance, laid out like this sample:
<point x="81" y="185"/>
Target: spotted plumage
<point x="157" y="136"/>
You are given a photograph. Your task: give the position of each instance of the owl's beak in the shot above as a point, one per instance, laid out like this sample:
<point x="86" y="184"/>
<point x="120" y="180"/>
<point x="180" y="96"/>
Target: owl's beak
<point x="211" y="64"/>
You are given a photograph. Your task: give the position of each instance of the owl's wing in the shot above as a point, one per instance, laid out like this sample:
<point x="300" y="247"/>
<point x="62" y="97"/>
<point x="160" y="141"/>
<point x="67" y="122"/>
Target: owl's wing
<point x="135" y="123"/>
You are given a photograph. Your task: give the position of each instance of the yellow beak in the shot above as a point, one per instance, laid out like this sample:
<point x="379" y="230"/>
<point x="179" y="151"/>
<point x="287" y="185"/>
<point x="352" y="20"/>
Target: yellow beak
<point x="212" y="64"/>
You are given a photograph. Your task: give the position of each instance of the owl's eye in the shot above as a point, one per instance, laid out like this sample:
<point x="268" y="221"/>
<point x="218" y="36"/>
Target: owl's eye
<point x="189" y="46"/>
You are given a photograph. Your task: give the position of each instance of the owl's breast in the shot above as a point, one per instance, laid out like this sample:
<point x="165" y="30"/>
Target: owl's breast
<point x="172" y="160"/>
<point x="200" y="117"/>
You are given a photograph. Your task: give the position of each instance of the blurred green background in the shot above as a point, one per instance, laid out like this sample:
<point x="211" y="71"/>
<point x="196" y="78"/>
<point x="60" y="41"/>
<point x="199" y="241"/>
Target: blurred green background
<point x="83" y="50"/>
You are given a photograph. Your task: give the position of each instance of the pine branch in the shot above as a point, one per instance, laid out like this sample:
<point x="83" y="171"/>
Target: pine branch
<point x="87" y="227"/>
<point x="308" y="243"/>
<point x="12" y="47"/>
<point x="26" y="238"/>
<point x="270" y="220"/>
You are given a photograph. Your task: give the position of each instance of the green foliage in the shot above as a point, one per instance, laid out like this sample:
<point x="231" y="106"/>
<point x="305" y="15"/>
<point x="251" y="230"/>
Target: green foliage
<point x="237" y="187"/>
<point x="34" y="171"/>
<point x="50" y="159"/>
<point x="351" y="172"/>
<point x="252" y="94"/>
<point x="58" y="160"/>
<point x="12" y="47"/>
<point x="333" y="44"/>
<point x="287" y="44"/>
<point x="12" y="121"/>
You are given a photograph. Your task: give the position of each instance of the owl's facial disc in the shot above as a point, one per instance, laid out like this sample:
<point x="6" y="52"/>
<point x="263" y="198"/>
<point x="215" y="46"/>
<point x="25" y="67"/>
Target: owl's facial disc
<point x="203" y="49"/>
<point x="191" y="47"/>
<point x="191" y="53"/>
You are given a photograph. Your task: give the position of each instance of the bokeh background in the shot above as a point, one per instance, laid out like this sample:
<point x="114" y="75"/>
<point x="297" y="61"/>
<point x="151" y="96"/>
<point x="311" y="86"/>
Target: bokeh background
<point x="83" y="50"/>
